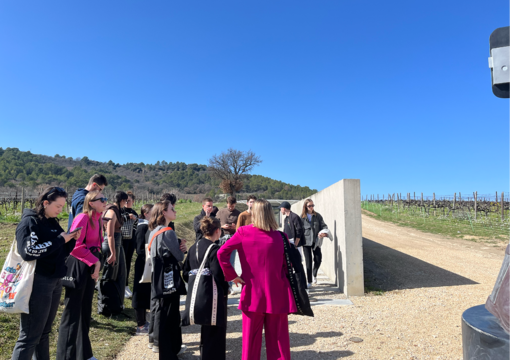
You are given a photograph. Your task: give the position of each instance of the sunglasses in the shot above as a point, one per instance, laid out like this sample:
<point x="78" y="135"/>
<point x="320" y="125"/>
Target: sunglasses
<point x="57" y="190"/>
<point x="310" y="206"/>
<point x="103" y="199"/>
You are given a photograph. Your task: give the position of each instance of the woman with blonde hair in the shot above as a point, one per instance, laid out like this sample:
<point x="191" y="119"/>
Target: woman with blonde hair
<point x="73" y="335"/>
<point x="266" y="297"/>
<point x="312" y="242"/>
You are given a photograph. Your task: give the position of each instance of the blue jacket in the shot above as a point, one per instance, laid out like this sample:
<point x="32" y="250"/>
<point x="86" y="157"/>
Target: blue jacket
<point x="77" y="205"/>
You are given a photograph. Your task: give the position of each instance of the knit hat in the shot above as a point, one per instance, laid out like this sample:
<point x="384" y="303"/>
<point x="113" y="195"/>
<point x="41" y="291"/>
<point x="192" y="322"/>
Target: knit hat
<point x="285" y="204"/>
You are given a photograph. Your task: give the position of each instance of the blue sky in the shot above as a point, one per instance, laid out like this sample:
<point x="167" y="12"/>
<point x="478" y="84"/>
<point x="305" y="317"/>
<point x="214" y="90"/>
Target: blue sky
<point x="396" y="93"/>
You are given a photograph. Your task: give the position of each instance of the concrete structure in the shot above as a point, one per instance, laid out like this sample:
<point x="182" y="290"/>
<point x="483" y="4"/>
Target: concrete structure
<point x="342" y="257"/>
<point x="483" y="338"/>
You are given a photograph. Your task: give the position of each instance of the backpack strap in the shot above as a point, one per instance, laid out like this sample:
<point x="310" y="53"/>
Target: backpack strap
<point x="156" y="234"/>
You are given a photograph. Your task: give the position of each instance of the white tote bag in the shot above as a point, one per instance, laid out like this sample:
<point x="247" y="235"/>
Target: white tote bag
<point x="16" y="282"/>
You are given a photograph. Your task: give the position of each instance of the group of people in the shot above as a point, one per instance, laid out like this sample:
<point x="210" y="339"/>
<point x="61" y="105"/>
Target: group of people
<point x="104" y="237"/>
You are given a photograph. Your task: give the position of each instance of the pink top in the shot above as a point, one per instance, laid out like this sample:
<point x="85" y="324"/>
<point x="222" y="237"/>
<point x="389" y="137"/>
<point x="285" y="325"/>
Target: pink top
<point x="266" y="288"/>
<point x="93" y="237"/>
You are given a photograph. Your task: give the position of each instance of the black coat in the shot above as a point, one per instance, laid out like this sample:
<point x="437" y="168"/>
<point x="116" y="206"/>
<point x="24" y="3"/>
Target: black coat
<point x="141" y="292"/>
<point x="293" y="227"/>
<point x="196" y="222"/>
<point x="204" y="299"/>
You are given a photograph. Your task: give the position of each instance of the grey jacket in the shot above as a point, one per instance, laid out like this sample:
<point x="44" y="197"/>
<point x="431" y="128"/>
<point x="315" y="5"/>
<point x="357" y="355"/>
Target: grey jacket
<point x="312" y="229"/>
<point x="164" y="243"/>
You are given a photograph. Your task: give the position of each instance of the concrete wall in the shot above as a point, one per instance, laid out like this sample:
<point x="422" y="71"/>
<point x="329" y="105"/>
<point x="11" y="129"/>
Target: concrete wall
<point x="342" y="257"/>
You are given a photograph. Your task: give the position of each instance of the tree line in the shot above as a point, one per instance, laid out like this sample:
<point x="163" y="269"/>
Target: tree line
<point x="22" y="168"/>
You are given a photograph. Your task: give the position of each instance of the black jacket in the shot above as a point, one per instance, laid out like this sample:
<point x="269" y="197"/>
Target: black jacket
<point x="196" y="222"/>
<point x="293" y="227"/>
<point x="192" y="262"/>
<point x="40" y="239"/>
<point x="312" y="229"/>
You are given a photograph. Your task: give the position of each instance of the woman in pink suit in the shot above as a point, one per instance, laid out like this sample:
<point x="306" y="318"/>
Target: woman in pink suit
<point x="266" y="298"/>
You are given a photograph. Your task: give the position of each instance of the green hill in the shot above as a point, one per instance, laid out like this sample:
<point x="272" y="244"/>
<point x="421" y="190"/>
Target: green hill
<point x="22" y="168"/>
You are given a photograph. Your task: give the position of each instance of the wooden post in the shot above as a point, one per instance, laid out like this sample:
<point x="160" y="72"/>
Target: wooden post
<point x="414" y="196"/>
<point x="422" y="199"/>
<point x="454" y="199"/>
<point x="22" y="200"/>
<point x="475" y="194"/>
<point x="460" y="196"/>
<point x="434" y="202"/>
<point x="502" y="206"/>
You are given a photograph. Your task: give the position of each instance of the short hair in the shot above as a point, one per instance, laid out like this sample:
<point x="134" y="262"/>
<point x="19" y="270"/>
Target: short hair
<point x="251" y="197"/>
<point x="209" y="225"/>
<point x="157" y="216"/>
<point x="263" y="216"/>
<point x="131" y="195"/>
<point x="206" y="200"/>
<point x="119" y="196"/>
<point x="170" y="197"/>
<point x="98" y="179"/>
<point x="231" y="200"/>
<point x="144" y="210"/>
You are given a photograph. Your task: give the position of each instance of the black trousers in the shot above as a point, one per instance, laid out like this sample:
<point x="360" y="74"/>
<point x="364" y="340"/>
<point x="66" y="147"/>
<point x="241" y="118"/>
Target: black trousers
<point x="213" y="340"/>
<point x="140" y="317"/>
<point x="35" y="327"/>
<point x="155" y="321"/>
<point x="129" y="249"/>
<point x="317" y="259"/>
<point x="73" y="335"/>
<point x="170" y="334"/>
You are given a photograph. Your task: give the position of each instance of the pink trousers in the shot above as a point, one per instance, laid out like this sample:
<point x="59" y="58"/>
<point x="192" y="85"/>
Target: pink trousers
<point x="276" y="328"/>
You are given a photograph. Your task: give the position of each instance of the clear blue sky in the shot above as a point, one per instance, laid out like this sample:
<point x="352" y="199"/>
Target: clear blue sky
<point x="394" y="93"/>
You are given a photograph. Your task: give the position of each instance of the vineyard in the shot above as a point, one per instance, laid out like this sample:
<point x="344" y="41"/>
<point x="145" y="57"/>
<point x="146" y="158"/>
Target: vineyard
<point x="12" y="204"/>
<point x="477" y="216"/>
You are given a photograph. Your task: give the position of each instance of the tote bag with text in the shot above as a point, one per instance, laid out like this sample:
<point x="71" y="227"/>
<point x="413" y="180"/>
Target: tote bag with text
<point x="16" y="281"/>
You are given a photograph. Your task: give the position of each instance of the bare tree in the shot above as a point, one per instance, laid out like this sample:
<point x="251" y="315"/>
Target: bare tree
<point x="231" y="167"/>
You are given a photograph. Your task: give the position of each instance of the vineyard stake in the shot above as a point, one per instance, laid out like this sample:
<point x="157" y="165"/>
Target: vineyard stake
<point x="502" y="206"/>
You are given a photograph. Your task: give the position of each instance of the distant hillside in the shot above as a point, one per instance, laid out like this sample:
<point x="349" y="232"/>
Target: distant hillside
<point x="22" y="168"/>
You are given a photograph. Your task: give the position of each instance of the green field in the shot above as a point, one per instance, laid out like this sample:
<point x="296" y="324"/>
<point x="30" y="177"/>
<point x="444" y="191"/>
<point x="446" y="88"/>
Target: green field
<point x="459" y="225"/>
<point x="108" y="335"/>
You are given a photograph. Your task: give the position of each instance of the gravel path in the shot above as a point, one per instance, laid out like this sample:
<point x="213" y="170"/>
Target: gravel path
<point x="428" y="281"/>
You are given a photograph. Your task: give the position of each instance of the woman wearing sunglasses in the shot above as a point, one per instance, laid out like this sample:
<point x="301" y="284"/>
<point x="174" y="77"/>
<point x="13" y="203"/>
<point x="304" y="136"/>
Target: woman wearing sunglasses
<point x="73" y="336"/>
<point x="112" y="285"/>
<point x="40" y="237"/>
<point x="312" y="242"/>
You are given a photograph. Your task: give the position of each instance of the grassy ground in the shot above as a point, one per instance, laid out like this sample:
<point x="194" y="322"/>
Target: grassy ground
<point x="108" y="335"/>
<point x="460" y="225"/>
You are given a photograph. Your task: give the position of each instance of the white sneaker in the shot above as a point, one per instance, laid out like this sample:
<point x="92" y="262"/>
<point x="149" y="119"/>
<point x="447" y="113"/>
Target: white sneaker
<point x="127" y="293"/>
<point x="315" y="281"/>
<point x="155" y="348"/>
<point x="309" y="285"/>
<point x="92" y="358"/>
<point x="183" y="349"/>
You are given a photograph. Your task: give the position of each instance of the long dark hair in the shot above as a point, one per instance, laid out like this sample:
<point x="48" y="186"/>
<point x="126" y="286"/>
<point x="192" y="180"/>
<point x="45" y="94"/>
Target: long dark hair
<point x="119" y="196"/>
<point x="51" y="194"/>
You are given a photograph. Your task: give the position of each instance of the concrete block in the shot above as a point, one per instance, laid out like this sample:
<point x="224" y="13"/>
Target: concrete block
<point x="342" y="256"/>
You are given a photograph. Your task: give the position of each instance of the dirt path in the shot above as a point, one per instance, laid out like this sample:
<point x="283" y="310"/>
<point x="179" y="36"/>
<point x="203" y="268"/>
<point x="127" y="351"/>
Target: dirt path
<point x="428" y="281"/>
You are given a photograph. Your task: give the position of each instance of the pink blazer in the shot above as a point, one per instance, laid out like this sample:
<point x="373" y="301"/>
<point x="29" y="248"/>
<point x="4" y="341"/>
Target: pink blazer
<point x="93" y="236"/>
<point x="266" y="288"/>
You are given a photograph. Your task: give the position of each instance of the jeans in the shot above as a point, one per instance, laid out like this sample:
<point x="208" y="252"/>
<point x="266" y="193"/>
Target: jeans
<point x="35" y="327"/>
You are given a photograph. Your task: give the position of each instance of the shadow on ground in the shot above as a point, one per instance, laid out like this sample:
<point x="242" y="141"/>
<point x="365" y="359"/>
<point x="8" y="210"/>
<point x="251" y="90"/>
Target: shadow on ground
<point x="388" y="269"/>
